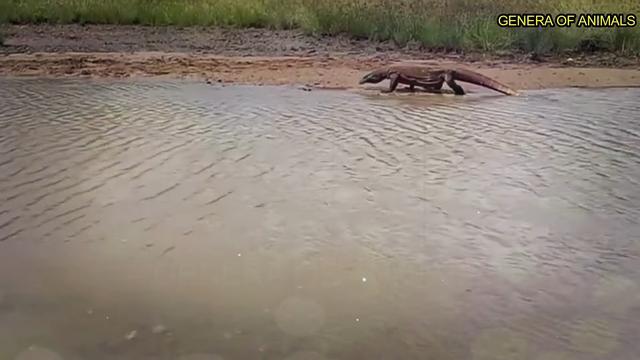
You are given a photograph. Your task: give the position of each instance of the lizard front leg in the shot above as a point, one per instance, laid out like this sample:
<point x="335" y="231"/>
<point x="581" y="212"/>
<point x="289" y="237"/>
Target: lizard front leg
<point x="394" y="79"/>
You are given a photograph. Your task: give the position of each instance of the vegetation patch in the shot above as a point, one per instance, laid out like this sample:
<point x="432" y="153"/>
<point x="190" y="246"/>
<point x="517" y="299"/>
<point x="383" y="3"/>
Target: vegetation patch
<point x="435" y="24"/>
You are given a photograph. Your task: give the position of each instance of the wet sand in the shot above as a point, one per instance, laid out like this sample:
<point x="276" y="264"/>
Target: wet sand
<point x="267" y="57"/>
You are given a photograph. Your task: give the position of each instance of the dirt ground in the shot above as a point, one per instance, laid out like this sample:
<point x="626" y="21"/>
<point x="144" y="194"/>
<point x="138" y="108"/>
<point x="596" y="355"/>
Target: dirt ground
<point x="256" y="56"/>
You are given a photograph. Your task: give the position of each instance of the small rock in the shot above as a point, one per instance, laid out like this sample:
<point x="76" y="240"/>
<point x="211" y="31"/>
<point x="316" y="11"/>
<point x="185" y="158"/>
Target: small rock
<point x="534" y="57"/>
<point x="158" y="329"/>
<point x="132" y="335"/>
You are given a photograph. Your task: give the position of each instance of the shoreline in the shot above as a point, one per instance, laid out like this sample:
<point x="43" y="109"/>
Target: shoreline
<point x="313" y="72"/>
<point x="269" y="57"/>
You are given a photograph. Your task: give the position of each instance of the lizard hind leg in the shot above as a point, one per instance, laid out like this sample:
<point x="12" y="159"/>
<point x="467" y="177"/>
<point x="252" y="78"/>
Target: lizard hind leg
<point x="394" y="80"/>
<point x="457" y="89"/>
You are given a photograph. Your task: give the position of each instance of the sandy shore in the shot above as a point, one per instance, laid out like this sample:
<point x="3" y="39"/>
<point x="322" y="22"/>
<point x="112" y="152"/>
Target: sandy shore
<point x="271" y="57"/>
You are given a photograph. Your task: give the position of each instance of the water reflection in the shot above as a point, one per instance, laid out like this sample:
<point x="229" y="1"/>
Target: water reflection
<point x="37" y="353"/>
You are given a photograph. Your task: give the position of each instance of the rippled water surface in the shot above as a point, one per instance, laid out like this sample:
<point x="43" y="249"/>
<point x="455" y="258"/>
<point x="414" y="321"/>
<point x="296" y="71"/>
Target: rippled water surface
<point x="157" y="220"/>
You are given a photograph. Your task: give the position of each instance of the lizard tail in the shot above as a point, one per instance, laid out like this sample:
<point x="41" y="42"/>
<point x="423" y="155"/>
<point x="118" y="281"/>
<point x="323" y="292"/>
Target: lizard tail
<point x="479" y="79"/>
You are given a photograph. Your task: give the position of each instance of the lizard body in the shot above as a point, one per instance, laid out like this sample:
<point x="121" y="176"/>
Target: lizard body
<point x="431" y="78"/>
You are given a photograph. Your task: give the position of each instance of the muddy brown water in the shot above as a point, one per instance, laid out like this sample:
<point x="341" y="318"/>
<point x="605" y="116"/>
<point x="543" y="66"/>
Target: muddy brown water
<point x="166" y="220"/>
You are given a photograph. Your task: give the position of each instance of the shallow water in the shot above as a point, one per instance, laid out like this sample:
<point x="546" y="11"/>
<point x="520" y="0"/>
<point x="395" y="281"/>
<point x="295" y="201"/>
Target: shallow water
<point x="160" y="220"/>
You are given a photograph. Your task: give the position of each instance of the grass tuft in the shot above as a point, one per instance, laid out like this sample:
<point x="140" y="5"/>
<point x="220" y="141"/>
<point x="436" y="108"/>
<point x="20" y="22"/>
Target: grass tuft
<point x="437" y="24"/>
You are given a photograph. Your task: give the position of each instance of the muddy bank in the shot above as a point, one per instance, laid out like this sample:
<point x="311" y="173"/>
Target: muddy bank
<point x="325" y="72"/>
<point x="256" y="56"/>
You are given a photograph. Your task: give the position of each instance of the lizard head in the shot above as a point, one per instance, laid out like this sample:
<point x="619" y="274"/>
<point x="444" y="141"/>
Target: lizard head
<point x="374" y="77"/>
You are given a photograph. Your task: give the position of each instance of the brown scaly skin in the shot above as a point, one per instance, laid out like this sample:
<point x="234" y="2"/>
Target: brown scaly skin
<point x="431" y="78"/>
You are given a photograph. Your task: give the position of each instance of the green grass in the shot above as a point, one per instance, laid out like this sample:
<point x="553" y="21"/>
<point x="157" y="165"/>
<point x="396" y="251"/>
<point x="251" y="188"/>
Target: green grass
<point x="436" y="24"/>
